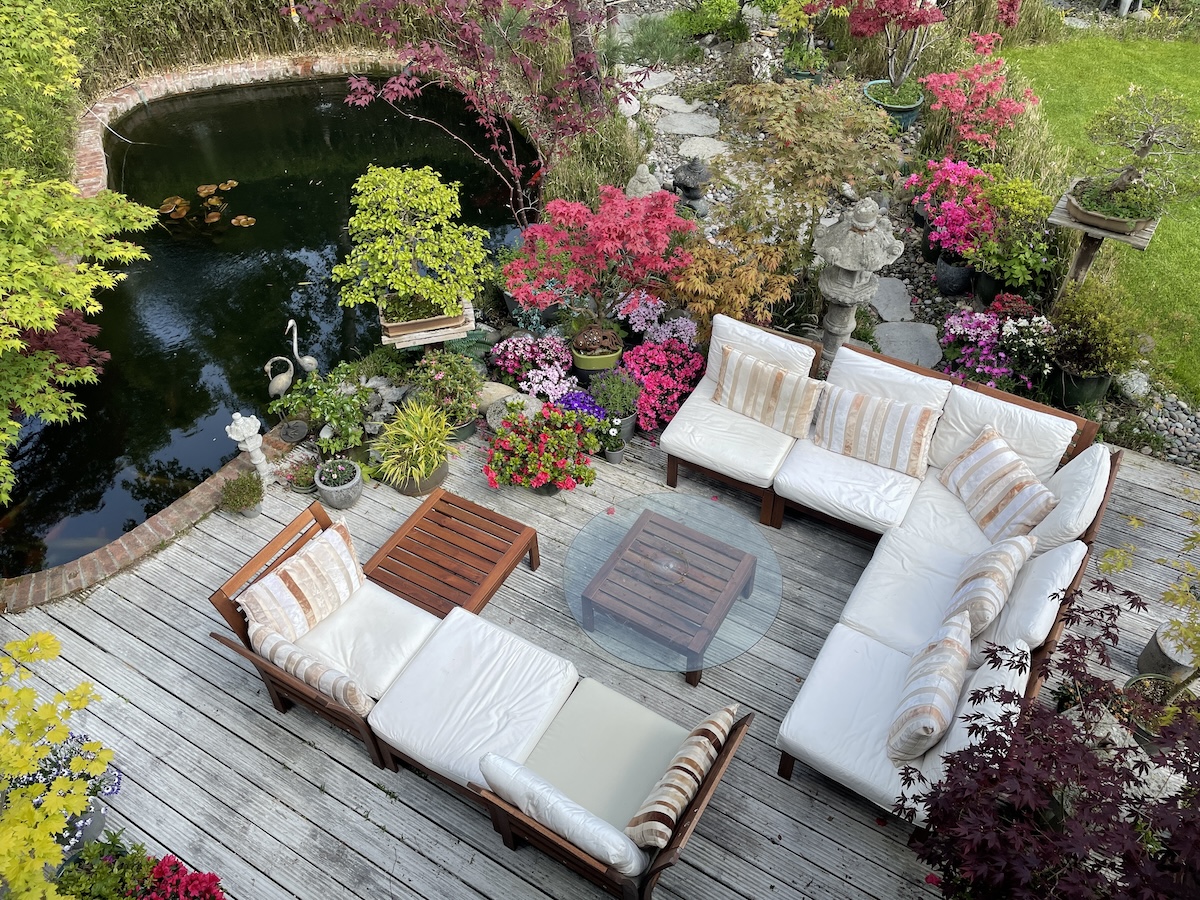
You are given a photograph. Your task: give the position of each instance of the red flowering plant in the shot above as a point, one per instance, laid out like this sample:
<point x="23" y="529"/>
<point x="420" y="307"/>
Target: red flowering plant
<point x="591" y="261"/>
<point x="974" y="98"/>
<point x="548" y="447"/>
<point x="953" y="194"/>
<point x="667" y="372"/>
<point x="906" y="26"/>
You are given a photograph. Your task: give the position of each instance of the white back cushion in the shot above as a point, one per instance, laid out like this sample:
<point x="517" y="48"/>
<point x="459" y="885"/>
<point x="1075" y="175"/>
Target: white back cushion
<point x="771" y="348"/>
<point x="1079" y="487"/>
<point x="1038" y="438"/>
<point x="869" y="375"/>
<point x="546" y="804"/>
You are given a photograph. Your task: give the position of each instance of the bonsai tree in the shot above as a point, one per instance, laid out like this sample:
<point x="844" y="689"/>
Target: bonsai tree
<point x="1148" y="153"/>
<point x="414" y="444"/>
<point x="1044" y="804"/>
<point x="409" y="255"/>
<point x="1093" y="335"/>
<point x="242" y="493"/>
<point x="907" y="30"/>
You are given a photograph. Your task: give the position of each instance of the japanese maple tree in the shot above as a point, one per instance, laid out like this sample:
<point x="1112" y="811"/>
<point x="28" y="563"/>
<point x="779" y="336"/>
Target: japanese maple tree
<point x="906" y="26"/>
<point x="500" y="56"/>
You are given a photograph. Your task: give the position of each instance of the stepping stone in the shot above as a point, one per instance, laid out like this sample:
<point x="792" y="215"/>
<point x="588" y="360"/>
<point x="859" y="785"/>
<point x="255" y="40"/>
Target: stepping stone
<point x="892" y="301"/>
<point x="653" y="80"/>
<point x="688" y="123"/>
<point x="673" y="103"/>
<point x="629" y="107"/>
<point x="704" y="148"/>
<point x="910" y="341"/>
<point x="1075" y="22"/>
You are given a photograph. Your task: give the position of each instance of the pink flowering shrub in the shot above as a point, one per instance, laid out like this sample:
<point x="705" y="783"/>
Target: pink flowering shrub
<point x="974" y="98"/>
<point x="952" y="192"/>
<point x="551" y="383"/>
<point x="515" y="357"/>
<point x="1009" y="12"/>
<point x="667" y="372"/>
<point x="174" y="881"/>
<point x="593" y="261"/>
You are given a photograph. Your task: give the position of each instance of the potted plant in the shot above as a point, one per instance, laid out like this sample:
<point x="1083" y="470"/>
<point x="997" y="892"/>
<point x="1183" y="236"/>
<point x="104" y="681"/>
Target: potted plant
<point x="617" y="392"/>
<point x="611" y="441"/>
<point x="450" y="382"/>
<point x="957" y="216"/>
<point x="1093" y="340"/>
<point x="111" y="868"/>
<point x="547" y="452"/>
<point x="1063" y="805"/>
<point x="1014" y="255"/>
<point x="1148" y="149"/>
<point x="414" y="449"/>
<point x="907" y="29"/>
<point x="339" y="483"/>
<point x="1007" y="346"/>
<point x="667" y="373"/>
<point x="591" y="262"/>
<point x="409" y="256"/>
<point x="301" y="477"/>
<point x="243" y="494"/>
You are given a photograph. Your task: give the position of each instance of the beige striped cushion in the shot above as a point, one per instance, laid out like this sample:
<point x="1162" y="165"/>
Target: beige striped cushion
<point x="987" y="579"/>
<point x="653" y="823"/>
<point x="877" y="430"/>
<point x="930" y="694"/>
<point x="306" y="588"/>
<point x="999" y="490"/>
<point x="329" y="681"/>
<point x="778" y="398"/>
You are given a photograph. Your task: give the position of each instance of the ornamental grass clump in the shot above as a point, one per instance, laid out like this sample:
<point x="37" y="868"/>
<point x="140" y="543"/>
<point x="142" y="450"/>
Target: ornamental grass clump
<point x="616" y="391"/>
<point x="550" y="447"/>
<point x="1006" y="347"/>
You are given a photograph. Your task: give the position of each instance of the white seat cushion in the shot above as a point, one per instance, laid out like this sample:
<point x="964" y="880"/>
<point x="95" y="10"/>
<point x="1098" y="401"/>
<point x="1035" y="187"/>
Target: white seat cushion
<point x="605" y="751"/>
<point x="849" y="489"/>
<point x="878" y="378"/>
<point x="1079" y="487"/>
<point x="938" y="516"/>
<point x="709" y="435"/>
<point x="473" y="688"/>
<point x="1033" y="601"/>
<point x="1037" y="437"/>
<point x="839" y="722"/>
<point x="905" y="590"/>
<point x="371" y="637"/>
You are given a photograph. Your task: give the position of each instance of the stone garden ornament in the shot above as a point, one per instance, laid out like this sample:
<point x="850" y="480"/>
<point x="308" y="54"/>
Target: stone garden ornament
<point x="854" y="247"/>
<point x="245" y="431"/>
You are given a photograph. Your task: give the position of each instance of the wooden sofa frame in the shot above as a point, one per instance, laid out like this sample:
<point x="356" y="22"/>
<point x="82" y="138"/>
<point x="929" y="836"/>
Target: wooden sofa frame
<point x="431" y="581"/>
<point x="514" y="826"/>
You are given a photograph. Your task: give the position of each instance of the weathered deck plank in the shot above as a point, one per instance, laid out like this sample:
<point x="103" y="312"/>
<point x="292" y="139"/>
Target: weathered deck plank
<point x="287" y="806"/>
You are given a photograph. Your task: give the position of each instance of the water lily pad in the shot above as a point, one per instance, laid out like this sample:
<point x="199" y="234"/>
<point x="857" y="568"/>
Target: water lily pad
<point x="169" y="204"/>
<point x="228" y="185"/>
<point x="206" y="190"/>
<point x="212" y="217"/>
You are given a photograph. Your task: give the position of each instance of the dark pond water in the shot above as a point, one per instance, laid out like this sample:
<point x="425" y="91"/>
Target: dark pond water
<point x="190" y="329"/>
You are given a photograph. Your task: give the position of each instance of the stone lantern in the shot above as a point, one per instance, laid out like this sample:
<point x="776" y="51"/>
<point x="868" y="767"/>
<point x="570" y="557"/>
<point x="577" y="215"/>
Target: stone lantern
<point x="245" y="431"/>
<point x="853" y="248"/>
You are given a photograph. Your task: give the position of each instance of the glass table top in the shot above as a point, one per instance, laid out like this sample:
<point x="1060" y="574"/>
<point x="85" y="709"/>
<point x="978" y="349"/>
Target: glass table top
<point x="666" y="579"/>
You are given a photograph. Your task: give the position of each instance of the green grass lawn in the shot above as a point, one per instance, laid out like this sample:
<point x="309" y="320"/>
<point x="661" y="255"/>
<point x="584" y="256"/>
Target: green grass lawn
<point x="1074" y="79"/>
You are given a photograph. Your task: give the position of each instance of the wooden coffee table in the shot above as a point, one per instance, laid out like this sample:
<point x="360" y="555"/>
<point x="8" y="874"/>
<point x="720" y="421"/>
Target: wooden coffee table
<point x="671" y="583"/>
<point x="452" y="552"/>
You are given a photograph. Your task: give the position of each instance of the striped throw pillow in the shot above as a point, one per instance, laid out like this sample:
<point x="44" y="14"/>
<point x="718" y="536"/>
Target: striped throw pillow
<point x="876" y="429"/>
<point x="306" y="588"/>
<point x="653" y="824"/>
<point x="326" y="679"/>
<point x="997" y="487"/>
<point x="986" y="580"/>
<point x="778" y="398"/>
<point x="931" y="689"/>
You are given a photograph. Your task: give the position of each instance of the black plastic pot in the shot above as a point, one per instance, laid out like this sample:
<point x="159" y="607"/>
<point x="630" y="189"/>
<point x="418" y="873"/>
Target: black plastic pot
<point x="1070" y="391"/>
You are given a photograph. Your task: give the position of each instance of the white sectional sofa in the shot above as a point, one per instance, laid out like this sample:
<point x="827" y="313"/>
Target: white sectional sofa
<point x="840" y="722"/>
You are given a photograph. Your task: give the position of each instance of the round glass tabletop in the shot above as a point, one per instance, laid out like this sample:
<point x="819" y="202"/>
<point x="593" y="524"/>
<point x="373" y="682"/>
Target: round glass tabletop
<point x="673" y="582"/>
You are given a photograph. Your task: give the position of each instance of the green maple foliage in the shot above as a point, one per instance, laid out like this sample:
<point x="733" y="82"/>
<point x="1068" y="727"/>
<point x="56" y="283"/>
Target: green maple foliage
<point x="55" y="247"/>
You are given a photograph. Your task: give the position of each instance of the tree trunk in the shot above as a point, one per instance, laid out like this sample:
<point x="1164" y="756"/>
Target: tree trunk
<point x="580" y="19"/>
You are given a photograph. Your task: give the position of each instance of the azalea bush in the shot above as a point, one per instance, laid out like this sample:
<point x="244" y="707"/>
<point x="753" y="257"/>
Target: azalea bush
<point x="667" y="373"/>
<point x="593" y="261"/>
<point x="549" y="447"/>
<point x="110" y="869"/>
<point x="1005" y="347"/>
<point x="952" y="192"/>
<point x="974" y="98"/>
<point x="450" y="382"/>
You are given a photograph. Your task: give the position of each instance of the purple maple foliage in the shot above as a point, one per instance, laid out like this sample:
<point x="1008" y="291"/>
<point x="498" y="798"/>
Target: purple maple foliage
<point x="1036" y="807"/>
<point x="492" y="53"/>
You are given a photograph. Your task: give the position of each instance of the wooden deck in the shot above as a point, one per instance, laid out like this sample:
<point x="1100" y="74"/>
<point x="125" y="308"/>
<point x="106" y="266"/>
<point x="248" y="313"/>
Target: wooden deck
<point x="286" y="806"/>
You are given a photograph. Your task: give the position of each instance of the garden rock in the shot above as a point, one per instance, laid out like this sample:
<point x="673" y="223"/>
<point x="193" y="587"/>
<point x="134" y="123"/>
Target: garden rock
<point x="497" y="411"/>
<point x="892" y="301"/>
<point x="653" y="80"/>
<point x="493" y="392"/>
<point x="910" y="341"/>
<point x="1134" y="385"/>
<point x="674" y="103"/>
<point x="688" y="123"/>
<point x="629" y="106"/>
<point x="704" y="148"/>
<point x="1076" y="22"/>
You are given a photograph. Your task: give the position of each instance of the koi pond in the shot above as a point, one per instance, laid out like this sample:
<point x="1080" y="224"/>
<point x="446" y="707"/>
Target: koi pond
<point x="190" y="328"/>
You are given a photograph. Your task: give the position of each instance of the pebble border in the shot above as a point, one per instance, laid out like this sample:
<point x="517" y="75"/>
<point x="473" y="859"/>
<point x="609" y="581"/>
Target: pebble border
<point x="91" y="177"/>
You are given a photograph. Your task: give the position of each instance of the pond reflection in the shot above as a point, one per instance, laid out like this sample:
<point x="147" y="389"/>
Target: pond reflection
<point x="190" y="329"/>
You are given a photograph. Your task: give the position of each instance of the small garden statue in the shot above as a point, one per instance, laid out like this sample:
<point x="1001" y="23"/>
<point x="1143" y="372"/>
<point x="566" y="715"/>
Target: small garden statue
<point x="245" y="430"/>
<point x="642" y="184"/>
